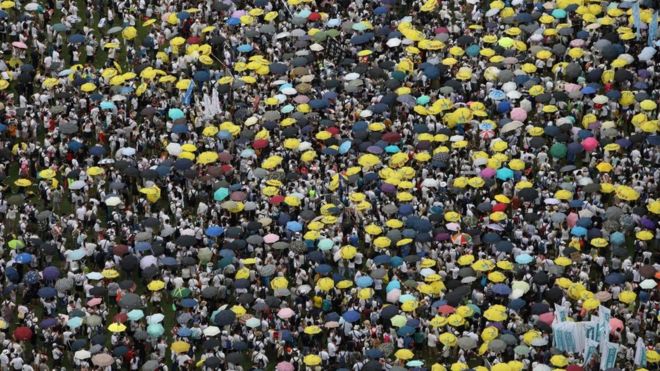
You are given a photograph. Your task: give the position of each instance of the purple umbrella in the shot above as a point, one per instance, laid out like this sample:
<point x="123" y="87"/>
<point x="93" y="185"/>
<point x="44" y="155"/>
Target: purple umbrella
<point x="51" y="273"/>
<point x="387" y="188"/>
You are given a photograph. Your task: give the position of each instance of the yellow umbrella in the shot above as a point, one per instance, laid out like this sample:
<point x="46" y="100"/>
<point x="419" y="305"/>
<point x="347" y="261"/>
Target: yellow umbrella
<point x="599" y="242"/>
<point x="156" y="285"/>
<point x="490" y="333"/>
<point x="498" y="216"/>
<point x="626" y="193"/>
<point x="452" y="216"/>
<point x="644" y="235"/>
<point x="502" y="199"/>
<point x="496" y="277"/>
<point x="476" y="182"/>
<point x="654" y="206"/>
<point x="129" y="33"/>
<point x="465" y="259"/>
<point x="325" y="284"/>
<point x="448" y="339"/>
<point x="117" y="327"/>
<point x="88" y="87"/>
<point x="51" y="82"/>
<point x="279" y="283"/>
<point x="563" y="261"/>
<point x="505" y="265"/>
<point x="239" y="310"/>
<point x="382" y="242"/>
<point x="365" y="293"/>
<point x="110" y="273"/>
<point x="404" y="354"/>
<point x="22" y="182"/>
<point x="207" y="157"/>
<point x="95" y="171"/>
<point x="177" y="41"/>
<point x="604" y="167"/>
<point x="312" y="360"/>
<point x="455" y="320"/>
<point x="47" y="174"/>
<point x="627" y="297"/>
<point x="590" y="304"/>
<point x="348" y="252"/>
<point x="563" y="194"/>
<point x="312" y="330"/>
<point x="652" y="356"/>
<point x="648" y="105"/>
<point x="559" y="360"/>
<point x="483" y="265"/>
<point x="344" y="284"/>
<point x="494" y="315"/>
<point x="180" y="347"/>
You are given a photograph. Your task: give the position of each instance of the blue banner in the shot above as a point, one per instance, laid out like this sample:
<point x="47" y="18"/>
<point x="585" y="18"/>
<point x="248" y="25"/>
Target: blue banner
<point x="189" y="92"/>
<point x="608" y="357"/>
<point x="653" y="28"/>
<point x="589" y="351"/>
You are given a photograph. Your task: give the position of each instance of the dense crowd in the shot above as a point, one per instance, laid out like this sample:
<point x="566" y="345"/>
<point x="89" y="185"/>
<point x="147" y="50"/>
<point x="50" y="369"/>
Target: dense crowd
<point x="290" y="185"/>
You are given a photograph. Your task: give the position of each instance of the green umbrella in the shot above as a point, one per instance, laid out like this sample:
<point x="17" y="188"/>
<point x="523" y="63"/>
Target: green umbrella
<point x="320" y="36"/>
<point x="332" y="32"/>
<point x="558" y="150"/>
<point x="155" y="330"/>
<point x="16" y="244"/>
<point x="181" y="292"/>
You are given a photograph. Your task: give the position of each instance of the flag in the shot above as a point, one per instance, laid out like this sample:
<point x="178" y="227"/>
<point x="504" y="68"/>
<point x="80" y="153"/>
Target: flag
<point x="608" y="356"/>
<point x="189" y="92"/>
<point x="589" y="351"/>
<point x="637" y="21"/>
<point x="640" y="351"/>
<point x="653" y="28"/>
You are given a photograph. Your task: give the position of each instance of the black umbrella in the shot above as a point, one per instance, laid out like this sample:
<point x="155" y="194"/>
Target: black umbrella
<point x="540" y="278"/>
<point x="225" y="317"/>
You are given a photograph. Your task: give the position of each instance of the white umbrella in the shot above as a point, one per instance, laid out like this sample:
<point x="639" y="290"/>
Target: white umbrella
<point x="155" y="318"/>
<point x="351" y="76"/>
<point x="600" y="99"/>
<point x="94" y="276"/>
<point x="127" y="151"/>
<point x="31" y="7"/>
<point x="78" y="184"/>
<point x="304" y="146"/>
<point x="211" y="331"/>
<point x="316" y="47"/>
<point x="174" y="149"/>
<point x="113" y="201"/>
<point x="648" y="284"/>
<point x="148" y="261"/>
<point x="430" y="183"/>
<point x="289" y="91"/>
<point x="82" y="354"/>
<point x="394" y="42"/>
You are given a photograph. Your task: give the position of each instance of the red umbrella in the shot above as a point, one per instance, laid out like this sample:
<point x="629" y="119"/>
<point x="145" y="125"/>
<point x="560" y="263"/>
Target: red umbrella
<point x="333" y="129"/>
<point x="237" y="196"/>
<point x="275" y="200"/>
<point x="446" y="309"/>
<point x="120" y="317"/>
<point x="120" y="250"/>
<point x="226" y="168"/>
<point x="194" y="40"/>
<point x="260" y="144"/>
<point x="391" y="137"/>
<point x="22" y="333"/>
<point x="574" y="368"/>
<point x="499" y="207"/>
<point x="224" y="156"/>
<point x="314" y="17"/>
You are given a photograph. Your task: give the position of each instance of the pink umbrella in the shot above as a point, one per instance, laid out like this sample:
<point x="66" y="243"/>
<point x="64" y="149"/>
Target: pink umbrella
<point x="94" y="302"/>
<point x="547" y="317"/>
<point x="440" y="30"/>
<point x="572" y="219"/>
<point x="589" y="144"/>
<point x="487" y="134"/>
<point x="284" y="366"/>
<point x="615" y="324"/>
<point x="488" y="173"/>
<point x="393" y="295"/>
<point x="285" y="313"/>
<point x="238" y="14"/>
<point x="518" y="114"/>
<point x="19" y="44"/>
<point x="271" y="238"/>
<point x="577" y="43"/>
<point x="301" y="99"/>
<point x="569" y="88"/>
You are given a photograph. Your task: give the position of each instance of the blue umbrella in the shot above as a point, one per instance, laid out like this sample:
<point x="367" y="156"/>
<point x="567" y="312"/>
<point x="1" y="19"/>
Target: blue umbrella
<point x="233" y="21"/>
<point x="155" y="330"/>
<point x="501" y="289"/>
<point x="202" y="75"/>
<point x="214" y="231"/>
<point x="188" y="303"/>
<point x="175" y="113"/>
<point x="504" y="173"/>
<point x="578" y="231"/>
<point x="405" y="331"/>
<point x="77" y="39"/>
<point x="31" y="277"/>
<point x="393" y="285"/>
<point x="351" y="316"/>
<point x="97" y="151"/>
<point x="183" y="15"/>
<point x="294" y="226"/>
<point x="524" y="259"/>
<point x="497" y="94"/>
<point x="48" y="323"/>
<point x="617" y="238"/>
<point x="517" y="304"/>
<point x="405" y="209"/>
<point x="472" y="50"/>
<point x="47" y="292"/>
<point x="74" y="145"/>
<point x="382" y="259"/>
<point x="180" y="129"/>
<point x="364" y="281"/>
<point x="323" y="269"/>
<point x="76" y="254"/>
<point x="184" y="332"/>
<point x="135" y="314"/>
<point x="51" y="273"/>
<point x="345" y="147"/>
<point x="143" y="246"/>
<point x="392" y="149"/>
<point x="245" y="48"/>
<point x="615" y="278"/>
<point x="374" y="353"/>
<point x="23" y="258"/>
<point x="559" y="13"/>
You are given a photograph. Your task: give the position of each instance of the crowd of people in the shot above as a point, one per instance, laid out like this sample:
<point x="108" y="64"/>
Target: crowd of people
<point x="290" y="185"/>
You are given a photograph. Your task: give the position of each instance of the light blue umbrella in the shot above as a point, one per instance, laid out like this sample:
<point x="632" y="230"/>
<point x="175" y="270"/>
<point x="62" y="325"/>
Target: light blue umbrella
<point x="423" y="100"/>
<point x="497" y="94"/>
<point x="559" y="13"/>
<point x="248" y="152"/>
<point x="214" y="230"/>
<point x="294" y="226"/>
<point x="617" y="238"/>
<point x="392" y="149"/>
<point x="406" y="298"/>
<point x="578" y="231"/>
<point x="220" y="194"/>
<point x="287" y="109"/>
<point x="326" y="244"/>
<point x="345" y="147"/>
<point x="175" y="113"/>
<point x="364" y="281"/>
<point x="135" y="314"/>
<point x="415" y="363"/>
<point x="76" y="255"/>
<point x="395" y="284"/>
<point x="472" y="50"/>
<point x="74" y="322"/>
<point x="504" y="173"/>
<point x="108" y="105"/>
<point x="155" y="318"/>
<point x="524" y="259"/>
<point x="245" y="48"/>
<point x="155" y="330"/>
